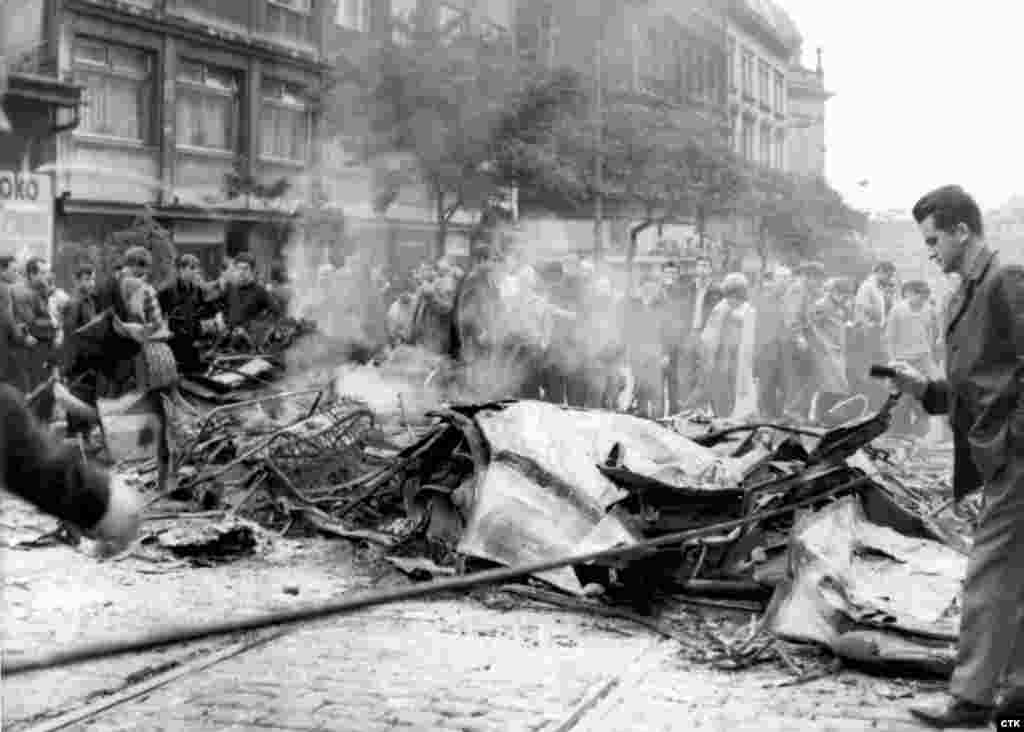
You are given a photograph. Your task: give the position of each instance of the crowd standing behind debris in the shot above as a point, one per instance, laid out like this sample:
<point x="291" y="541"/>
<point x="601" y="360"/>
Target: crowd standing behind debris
<point x="794" y="346"/>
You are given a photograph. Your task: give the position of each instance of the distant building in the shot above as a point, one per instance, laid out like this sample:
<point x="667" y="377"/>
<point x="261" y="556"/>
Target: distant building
<point x="807" y="99"/>
<point x="763" y="43"/>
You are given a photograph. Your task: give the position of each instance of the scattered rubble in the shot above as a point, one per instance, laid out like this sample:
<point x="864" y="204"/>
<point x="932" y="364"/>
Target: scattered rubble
<point x="444" y="491"/>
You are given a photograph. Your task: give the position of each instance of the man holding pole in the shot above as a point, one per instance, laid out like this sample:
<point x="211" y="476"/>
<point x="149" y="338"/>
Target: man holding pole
<point x="983" y="394"/>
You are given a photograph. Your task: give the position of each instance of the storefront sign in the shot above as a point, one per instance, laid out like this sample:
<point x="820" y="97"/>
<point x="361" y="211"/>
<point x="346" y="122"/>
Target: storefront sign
<point x="26" y="215"/>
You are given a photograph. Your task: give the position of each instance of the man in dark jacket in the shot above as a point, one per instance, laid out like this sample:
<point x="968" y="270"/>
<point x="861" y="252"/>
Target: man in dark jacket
<point x="690" y="302"/>
<point x="12" y="335"/>
<point x="56" y="479"/>
<point x="246" y="299"/>
<point x="81" y="357"/>
<point x="184" y="306"/>
<point x="30" y="301"/>
<point x="983" y="394"/>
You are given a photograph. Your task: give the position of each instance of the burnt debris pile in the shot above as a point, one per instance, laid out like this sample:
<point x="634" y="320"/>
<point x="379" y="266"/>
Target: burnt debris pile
<point x="832" y="538"/>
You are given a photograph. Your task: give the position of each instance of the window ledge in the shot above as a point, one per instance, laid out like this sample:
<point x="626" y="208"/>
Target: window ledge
<point x="294" y="44"/>
<point x="206" y="152"/>
<point x="284" y="162"/>
<point x="195" y="15"/>
<point x="92" y="138"/>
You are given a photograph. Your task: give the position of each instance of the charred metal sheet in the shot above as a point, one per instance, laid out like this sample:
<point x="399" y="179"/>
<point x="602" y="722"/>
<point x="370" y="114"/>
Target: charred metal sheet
<point x="846" y="573"/>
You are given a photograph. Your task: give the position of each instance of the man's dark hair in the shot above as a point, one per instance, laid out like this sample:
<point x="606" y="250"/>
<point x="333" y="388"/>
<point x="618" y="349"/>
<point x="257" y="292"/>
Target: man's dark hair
<point x="33" y="265"/>
<point x="6" y="260"/>
<point x="885" y="268"/>
<point x="246" y="258"/>
<point x="84" y="270"/>
<point x="950" y="206"/>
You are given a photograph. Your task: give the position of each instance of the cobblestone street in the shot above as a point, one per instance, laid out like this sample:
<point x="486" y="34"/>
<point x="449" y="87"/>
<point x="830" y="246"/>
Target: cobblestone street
<point x="450" y="664"/>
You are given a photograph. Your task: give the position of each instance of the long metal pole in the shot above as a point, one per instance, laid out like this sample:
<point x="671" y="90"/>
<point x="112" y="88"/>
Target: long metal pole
<point x="189" y="633"/>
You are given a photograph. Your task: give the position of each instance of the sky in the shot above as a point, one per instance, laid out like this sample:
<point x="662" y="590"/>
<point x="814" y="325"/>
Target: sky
<point x="924" y="95"/>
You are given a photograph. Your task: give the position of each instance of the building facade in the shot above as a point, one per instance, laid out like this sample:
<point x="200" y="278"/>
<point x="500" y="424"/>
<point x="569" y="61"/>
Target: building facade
<point x="202" y="113"/>
<point x="807" y="100"/>
<point x="669" y="54"/>
<point x="763" y="43"/>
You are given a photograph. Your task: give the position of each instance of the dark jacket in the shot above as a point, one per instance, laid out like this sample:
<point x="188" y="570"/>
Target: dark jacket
<point x="117" y="368"/>
<point x="983" y="392"/>
<point x="474" y="310"/>
<point x="32" y="311"/>
<point x="52" y="477"/>
<point x="678" y="310"/>
<point x="78" y="352"/>
<point x="12" y="337"/>
<point x="185" y="306"/>
<point x="244" y="303"/>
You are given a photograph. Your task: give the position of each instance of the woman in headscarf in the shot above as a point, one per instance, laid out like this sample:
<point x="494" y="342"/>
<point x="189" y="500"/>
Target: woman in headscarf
<point x="728" y="351"/>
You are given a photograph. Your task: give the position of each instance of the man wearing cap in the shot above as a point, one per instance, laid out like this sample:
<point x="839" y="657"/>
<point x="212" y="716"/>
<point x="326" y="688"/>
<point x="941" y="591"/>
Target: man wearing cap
<point x="983" y="394"/>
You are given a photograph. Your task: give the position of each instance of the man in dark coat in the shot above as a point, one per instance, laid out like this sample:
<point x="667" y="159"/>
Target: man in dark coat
<point x="81" y="362"/>
<point x="56" y="479"/>
<point x="799" y="375"/>
<point x="12" y="335"/>
<point x="184" y="306"/>
<point x="983" y="394"/>
<point x="690" y="302"/>
<point x="30" y="301"/>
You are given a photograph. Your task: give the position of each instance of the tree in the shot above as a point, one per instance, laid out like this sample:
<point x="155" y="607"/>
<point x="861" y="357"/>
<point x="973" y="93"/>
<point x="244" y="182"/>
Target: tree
<point x="436" y="99"/>
<point x="802" y="216"/>
<point x="540" y="148"/>
<point x="145" y="231"/>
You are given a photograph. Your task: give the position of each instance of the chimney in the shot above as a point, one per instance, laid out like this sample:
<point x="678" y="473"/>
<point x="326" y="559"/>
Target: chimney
<point x="820" y="70"/>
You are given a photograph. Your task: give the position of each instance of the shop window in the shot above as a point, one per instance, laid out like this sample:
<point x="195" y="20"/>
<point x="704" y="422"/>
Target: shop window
<point x="208" y="107"/>
<point x="118" y="83"/>
<point x="285" y="122"/>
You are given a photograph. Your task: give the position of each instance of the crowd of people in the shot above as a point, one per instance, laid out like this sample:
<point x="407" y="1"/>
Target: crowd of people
<point x="122" y="335"/>
<point x="797" y="346"/>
